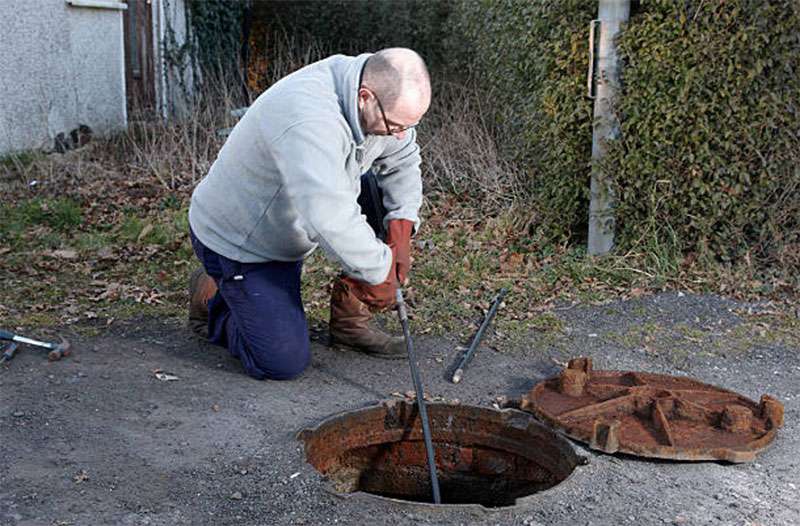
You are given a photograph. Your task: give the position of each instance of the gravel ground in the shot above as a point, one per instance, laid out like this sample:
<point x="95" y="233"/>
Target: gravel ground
<point x="97" y="439"/>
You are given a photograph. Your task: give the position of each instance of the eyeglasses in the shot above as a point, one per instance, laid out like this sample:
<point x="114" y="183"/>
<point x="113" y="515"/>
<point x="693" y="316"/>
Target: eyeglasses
<point x="389" y="130"/>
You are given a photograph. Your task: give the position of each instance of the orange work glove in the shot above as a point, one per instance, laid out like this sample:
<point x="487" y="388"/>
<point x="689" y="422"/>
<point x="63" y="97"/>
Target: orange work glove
<point x="399" y="239"/>
<point x="376" y="297"/>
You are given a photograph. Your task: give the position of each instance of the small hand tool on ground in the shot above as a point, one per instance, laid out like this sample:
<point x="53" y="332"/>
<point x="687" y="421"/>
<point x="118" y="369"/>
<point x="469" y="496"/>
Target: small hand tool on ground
<point x="459" y="373"/>
<point x="423" y="413"/>
<point x="57" y="350"/>
<point x="8" y="353"/>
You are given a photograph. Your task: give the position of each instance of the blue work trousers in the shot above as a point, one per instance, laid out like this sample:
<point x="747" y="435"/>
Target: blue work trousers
<point x="257" y="313"/>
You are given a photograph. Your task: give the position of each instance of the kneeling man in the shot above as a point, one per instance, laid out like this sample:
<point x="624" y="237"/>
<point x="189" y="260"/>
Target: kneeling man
<point x="325" y="157"/>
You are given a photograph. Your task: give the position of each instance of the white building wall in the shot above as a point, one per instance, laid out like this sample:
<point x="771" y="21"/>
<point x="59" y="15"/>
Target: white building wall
<point x="60" y="66"/>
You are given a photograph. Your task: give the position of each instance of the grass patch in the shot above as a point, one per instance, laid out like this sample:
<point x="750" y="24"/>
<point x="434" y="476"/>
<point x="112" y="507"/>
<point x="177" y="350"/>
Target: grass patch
<point x="59" y="214"/>
<point x="19" y="161"/>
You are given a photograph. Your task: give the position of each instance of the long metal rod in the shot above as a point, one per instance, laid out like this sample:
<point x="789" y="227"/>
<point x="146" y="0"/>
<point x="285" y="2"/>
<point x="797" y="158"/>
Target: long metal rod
<point x="459" y="373"/>
<point x="423" y="412"/>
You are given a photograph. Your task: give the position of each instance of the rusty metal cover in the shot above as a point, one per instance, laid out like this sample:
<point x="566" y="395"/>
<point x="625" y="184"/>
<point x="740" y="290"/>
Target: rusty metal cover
<point x="654" y="415"/>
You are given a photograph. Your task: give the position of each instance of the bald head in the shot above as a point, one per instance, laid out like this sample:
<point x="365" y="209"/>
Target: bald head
<point x="399" y="77"/>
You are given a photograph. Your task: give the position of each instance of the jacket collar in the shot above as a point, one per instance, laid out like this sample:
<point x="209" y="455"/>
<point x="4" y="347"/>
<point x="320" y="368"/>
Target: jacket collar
<point x="347" y="84"/>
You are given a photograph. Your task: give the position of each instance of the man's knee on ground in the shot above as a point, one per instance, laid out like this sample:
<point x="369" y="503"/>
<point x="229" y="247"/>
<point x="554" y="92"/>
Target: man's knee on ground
<point x="285" y="367"/>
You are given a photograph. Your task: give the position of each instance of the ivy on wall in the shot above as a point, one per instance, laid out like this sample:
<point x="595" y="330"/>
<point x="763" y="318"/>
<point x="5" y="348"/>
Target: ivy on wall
<point x="216" y="38"/>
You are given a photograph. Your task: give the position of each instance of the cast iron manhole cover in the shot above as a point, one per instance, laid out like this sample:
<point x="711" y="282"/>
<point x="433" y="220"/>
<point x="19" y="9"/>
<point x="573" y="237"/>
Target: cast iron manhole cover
<point x="483" y="456"/>
<point x="654" y="415"/>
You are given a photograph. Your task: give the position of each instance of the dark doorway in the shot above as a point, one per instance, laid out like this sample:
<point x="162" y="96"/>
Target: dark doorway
<point x="139" y="69"/>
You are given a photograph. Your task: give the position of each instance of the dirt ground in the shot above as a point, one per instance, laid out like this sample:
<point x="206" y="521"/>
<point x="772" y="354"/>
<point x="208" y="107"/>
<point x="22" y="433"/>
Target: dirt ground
<point x="98" y="439"/>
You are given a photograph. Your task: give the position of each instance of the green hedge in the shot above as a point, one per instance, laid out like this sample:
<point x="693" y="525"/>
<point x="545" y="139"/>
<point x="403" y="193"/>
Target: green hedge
<point x="709" y="158"/>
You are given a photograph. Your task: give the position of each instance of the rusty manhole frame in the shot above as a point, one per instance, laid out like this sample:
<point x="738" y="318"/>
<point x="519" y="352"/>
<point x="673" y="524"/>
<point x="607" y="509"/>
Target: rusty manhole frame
<point x="607" y="410"/>
<point x="515" y="419"/>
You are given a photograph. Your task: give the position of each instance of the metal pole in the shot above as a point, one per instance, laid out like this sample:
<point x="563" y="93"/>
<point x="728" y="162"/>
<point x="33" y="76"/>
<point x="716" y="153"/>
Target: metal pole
<point x="459" y="372"/>
<point x="423" y="413"/>
<point x="611" y="15"/>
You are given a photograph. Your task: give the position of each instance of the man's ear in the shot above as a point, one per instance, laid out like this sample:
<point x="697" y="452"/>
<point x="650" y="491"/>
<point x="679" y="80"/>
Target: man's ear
<point x="364" y="94"/>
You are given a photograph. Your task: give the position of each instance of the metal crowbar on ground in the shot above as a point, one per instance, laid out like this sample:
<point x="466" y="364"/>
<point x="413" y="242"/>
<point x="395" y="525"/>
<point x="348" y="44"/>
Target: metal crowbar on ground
<point x="465" y="359"/>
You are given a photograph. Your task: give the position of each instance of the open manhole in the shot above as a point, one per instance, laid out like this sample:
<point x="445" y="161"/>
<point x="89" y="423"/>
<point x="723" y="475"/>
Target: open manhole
<point x="483" y="456"/>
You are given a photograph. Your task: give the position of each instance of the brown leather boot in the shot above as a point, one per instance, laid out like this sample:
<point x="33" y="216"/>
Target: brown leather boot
<point x="350" y="327"/>
<point x="201" y="289"/>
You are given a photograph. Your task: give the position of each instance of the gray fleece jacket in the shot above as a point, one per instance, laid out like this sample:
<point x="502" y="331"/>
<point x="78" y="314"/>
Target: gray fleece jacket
<point x="288" y="177"/>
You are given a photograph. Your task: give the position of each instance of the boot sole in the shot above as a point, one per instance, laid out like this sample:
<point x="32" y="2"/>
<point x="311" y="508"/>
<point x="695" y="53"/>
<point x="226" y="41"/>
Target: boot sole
<point x="382" y="356"/>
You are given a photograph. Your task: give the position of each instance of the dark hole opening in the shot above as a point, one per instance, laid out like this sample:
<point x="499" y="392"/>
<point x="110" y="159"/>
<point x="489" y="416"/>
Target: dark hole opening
<point x="471" y="475"/>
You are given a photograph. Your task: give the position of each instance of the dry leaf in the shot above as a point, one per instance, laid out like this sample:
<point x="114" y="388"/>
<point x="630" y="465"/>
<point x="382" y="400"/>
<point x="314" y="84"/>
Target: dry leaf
<point x="63" y="254"/>
<point x="164" y="376"/>
<point x="105" y="253"/>
<point x="511" y="262"/>
<point x="143" y="234"/>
